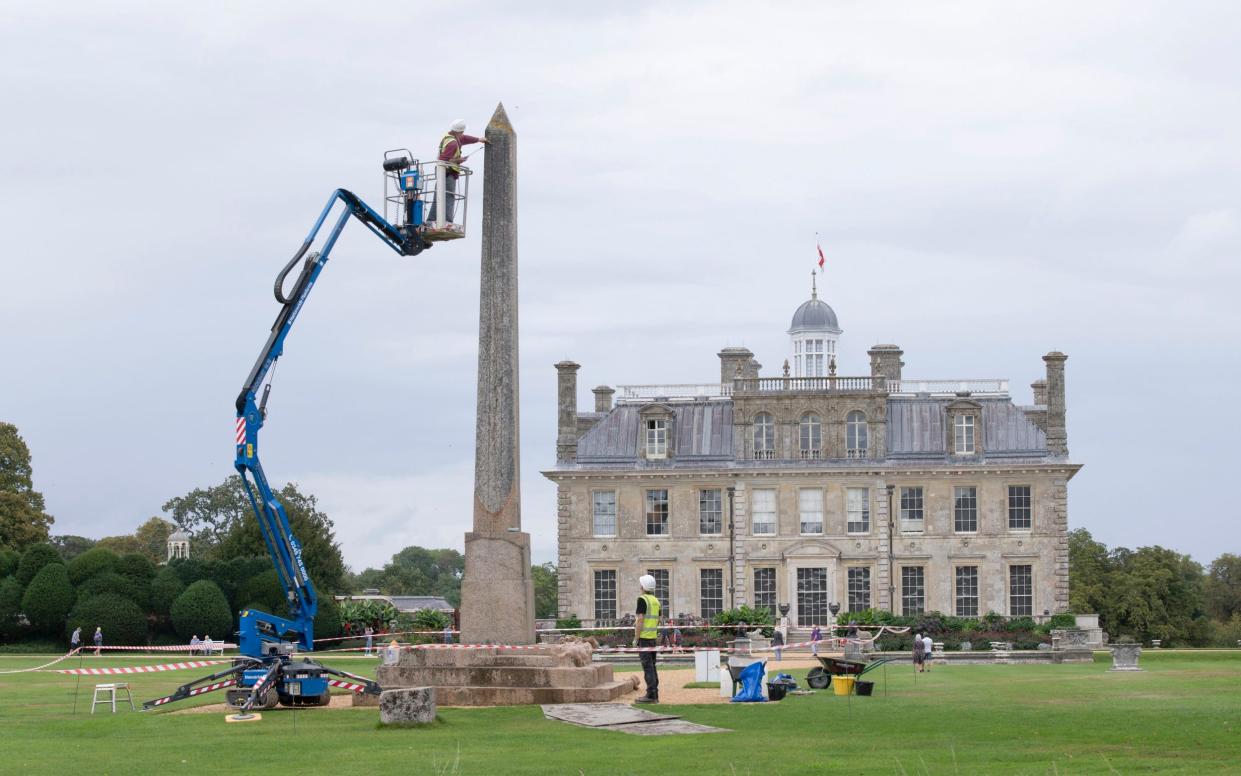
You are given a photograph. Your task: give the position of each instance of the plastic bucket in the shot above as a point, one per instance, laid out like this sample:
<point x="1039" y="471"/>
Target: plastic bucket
<point x="775" y="692"/>
<point x="864" y="687"/>
<point x="842" y="685"/>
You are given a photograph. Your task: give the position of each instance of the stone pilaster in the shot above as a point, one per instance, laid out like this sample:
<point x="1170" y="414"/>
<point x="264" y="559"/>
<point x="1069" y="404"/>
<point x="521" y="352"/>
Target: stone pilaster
<point x="881" y="594"/>
<point x="564" y="559"/>
<point x="1060" y="515"/>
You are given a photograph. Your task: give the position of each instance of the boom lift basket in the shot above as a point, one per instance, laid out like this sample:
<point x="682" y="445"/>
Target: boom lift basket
<point x="430" y="198"/>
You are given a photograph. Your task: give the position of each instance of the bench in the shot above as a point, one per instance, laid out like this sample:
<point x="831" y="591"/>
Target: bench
<point x="109" y="692"/>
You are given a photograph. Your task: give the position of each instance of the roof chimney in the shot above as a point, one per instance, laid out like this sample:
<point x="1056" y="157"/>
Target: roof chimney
<point x="566" y="411"/>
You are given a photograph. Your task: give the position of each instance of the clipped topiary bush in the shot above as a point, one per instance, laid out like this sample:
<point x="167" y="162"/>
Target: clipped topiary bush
<point x="10" y="608"/>
<point x="165" y="588"/>
<point x="136" y="565"/>
<point x="265" y="593"/>
<point x="95" y="561"/>
<point x="202" y="610"/>
<point x="327" y="622"/>
<point x="8" y="562"/>
<point x="117" y="584"/>
<point x="122" y="621"/>
<point x="48" y="599"/>
<point x="34" y="559"/>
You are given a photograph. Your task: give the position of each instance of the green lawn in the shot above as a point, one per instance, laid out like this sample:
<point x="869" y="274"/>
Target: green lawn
<point x="1182" y="715"/>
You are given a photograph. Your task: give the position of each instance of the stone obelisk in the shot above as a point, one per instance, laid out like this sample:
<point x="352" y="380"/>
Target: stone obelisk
<point x="497" y="592"/>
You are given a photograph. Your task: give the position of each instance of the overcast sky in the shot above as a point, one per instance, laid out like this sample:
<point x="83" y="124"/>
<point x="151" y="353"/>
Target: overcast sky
<point x="990" y="181"/>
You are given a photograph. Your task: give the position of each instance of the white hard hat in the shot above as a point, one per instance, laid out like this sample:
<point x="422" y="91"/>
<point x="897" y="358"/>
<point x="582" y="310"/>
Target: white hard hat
<point x="458" y="126"/>
<point x="647" y="582"/>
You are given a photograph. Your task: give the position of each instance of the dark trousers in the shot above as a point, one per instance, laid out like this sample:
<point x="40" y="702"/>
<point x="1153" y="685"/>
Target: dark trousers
<point x="648" y="668"/>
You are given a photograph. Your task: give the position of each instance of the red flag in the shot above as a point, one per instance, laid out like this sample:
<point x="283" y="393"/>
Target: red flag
<point x="822" y="258"/>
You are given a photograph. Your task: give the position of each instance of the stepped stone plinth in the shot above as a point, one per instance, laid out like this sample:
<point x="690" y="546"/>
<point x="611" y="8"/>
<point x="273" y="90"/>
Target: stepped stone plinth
<point x="501" y="677"/>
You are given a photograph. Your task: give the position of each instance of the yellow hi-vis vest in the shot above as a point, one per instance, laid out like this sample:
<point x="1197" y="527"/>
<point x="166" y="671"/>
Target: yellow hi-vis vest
<point x="456" y="157"/>
<point x="650" y="620"/>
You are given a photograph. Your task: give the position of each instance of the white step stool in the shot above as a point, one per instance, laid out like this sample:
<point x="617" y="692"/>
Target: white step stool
<point x="109" y="692"/>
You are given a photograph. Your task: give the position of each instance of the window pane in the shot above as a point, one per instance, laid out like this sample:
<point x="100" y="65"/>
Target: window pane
<point x="859" y="589"/>
<point x="656" y="512"/>
<point x="605" y="597"/>
<point x="1020" y="511"/>
<point x="964" y="427"/>
<point x="765" y="590"/>
<point x="913" y="590"/>
<point x="965" y="509"/>
<point x="710" y="592"/>
<point x="857" y="505"/>
<point x="856" y="435"/>
<point x="604" y="511"/>
<point x="656" y="438"/>
<point x="710" y="511"/>
<point x="811" y="436"/>
<point x="764" y="511"/>
<point x="661" y="589"/>
<point x="911" y="508"/>
<point x="967" y="591"/>
<point x="812" y="597"/>
<point x="1021" y="591"/>
<point x="810" y="504"/>
<point x="764" y="436"/>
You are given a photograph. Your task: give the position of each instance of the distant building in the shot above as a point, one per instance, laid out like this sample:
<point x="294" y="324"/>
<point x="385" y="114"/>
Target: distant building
<point x="810" y="488"/>
<point x="178" y="545"/>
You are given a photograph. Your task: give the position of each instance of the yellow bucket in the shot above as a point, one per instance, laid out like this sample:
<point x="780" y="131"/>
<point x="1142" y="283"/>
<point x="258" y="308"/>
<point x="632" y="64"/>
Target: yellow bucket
<point x="842" y="685"/>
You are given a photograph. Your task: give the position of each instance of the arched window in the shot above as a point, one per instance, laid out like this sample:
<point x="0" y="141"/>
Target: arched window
<point x="764" y="436"/>
<point x="855" y="434"/>
<point x="811" y="436"/>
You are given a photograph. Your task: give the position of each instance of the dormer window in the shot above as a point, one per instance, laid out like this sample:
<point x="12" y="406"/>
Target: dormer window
<point x="811" y="436"/>
<point x="963" y="433"/>
<point x="764" y="436"/>
<point x="656" y="438"/>
<point x="856" y="437"/>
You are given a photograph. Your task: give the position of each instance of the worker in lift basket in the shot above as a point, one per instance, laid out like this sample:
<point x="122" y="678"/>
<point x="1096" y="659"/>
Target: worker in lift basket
<point x="646" y="634"/>
<point x="450" y="152"/>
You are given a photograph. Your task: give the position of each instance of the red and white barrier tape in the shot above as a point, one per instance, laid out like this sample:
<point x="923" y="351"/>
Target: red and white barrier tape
<point x="351" y="686"/>
<point x="62" y="658"/>
<point x="140" y="669"/>
<point x="215" y="645"/>
<point x="199" y="691"/>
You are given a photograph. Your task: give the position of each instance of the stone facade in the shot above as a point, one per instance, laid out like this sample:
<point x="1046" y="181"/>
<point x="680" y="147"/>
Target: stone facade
<point x="803" y="485"/>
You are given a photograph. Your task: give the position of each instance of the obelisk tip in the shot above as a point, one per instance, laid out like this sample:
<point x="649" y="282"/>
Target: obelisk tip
<point x="499" y="121"/>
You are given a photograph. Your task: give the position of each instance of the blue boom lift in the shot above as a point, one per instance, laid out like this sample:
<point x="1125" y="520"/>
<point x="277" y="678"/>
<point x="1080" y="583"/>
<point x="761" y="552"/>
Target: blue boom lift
<point x="268" y="671"/>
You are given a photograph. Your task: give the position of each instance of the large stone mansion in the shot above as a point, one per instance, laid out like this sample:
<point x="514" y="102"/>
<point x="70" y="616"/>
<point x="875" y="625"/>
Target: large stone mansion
<point x="811" y="488"/>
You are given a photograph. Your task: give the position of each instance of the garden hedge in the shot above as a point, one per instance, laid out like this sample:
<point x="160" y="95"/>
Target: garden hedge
<point x="48" y="598"/>
<point x="35" y="558"/>
<point x="122" y="621"/>
<point x="202" y="610"/>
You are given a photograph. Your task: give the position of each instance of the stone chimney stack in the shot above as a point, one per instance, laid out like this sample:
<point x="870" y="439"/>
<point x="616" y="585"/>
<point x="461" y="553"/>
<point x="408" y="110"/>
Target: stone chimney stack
<point x="885" y="360"/>
<point x="1040" y="392"/>
<point x="566" y="411"/>
<point x="603" y="398"/>
<point x="1057" y="433"/>
<point x="734" y="360"/>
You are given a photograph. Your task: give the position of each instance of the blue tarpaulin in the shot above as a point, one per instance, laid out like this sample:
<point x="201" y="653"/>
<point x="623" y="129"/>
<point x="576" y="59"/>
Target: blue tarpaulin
<point x="751" y="685"/>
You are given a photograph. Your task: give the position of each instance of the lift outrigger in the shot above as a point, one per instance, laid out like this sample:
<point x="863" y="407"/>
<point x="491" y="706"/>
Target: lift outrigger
<point x="268" y="670"/>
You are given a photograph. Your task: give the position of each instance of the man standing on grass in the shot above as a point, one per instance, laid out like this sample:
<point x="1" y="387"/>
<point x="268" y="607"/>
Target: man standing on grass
<point x="646" y="634"/>
<point x="75" y="640"/>
<point x="927" y="648"/>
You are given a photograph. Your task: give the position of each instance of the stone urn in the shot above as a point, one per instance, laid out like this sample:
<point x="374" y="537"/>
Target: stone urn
<point x="1125" y="657"/>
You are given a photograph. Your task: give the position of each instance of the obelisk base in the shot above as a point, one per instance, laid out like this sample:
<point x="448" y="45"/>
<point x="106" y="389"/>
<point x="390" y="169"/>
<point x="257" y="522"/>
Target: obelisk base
<point x="497" y="592"/>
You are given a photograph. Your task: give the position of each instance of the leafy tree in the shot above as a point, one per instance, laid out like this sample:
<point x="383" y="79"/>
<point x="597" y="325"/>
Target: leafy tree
<point x="34" y="559"/>
<point x="23" y="520"/>
<point x="70" y="546"/>
<point x="109" y="582"/>
<point x="418" y="571"/>
<point x="1090" y="568"/>
<point x="314" y="531"/>
<point x="8" y="562"/>
<point x="119" y="545"/>
<point x="152" y="537"/>
<point x="1158" y="594"/>
<point x="209" y="514"/>
<point x="122" y="621"/>
<point x="328" y="623"/>
<point x="1223" y="587"/>
<point x="48" y="599"/>
<point x="10" y="608"/>
<point x="201" y="610"/>
<point x="136" y="565"/>
<point x="164" y="591"/>
<point x="99" y="560"/>
<point x="546" y="590"/>
<point x="231" y="574"/>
